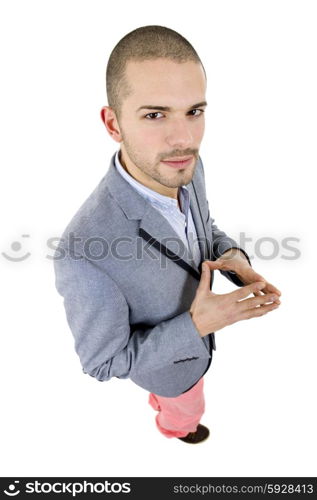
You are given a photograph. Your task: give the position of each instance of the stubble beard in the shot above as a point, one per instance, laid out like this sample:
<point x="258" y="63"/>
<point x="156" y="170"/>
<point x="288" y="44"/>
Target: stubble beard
<point x="181" y="177"/>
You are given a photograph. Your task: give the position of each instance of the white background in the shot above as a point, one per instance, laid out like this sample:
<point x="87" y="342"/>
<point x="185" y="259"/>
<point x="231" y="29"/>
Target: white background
<point x="259" y="154"/>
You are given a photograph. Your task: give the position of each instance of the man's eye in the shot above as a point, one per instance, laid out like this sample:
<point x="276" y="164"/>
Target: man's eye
<point x="201" y="111"/>
<point x="151" y="115"/>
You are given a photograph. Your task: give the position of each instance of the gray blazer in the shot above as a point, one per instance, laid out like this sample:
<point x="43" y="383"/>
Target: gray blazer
<point x="128" y="283"/>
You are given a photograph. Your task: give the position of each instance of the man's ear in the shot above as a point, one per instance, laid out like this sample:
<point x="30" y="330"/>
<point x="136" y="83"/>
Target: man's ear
<point x="110" y="121"/>
<point x="102" y="114"/>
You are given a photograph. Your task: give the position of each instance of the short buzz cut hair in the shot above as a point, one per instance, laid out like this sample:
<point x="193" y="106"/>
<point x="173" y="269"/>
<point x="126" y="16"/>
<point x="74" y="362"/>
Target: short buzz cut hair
<point x="144" y="43"/>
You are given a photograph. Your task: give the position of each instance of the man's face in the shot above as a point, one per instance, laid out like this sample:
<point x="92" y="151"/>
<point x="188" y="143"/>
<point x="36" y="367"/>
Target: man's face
<point x="152" y="135"/>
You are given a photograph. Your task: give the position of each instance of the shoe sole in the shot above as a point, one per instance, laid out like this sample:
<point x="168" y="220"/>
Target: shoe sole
<point x="193" y="442"/>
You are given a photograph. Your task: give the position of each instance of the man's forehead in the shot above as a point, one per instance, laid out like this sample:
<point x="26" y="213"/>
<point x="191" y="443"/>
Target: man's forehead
<point x="166" y="79"/>
<point x="162" y="66"/>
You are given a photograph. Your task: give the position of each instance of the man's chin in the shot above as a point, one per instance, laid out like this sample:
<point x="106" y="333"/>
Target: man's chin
<point x="179" y="180"/>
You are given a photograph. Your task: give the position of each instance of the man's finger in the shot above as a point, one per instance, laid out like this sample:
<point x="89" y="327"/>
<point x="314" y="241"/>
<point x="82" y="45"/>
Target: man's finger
<point x="258" y="294"/>
<point x="216" y="264"/>
<point x="257" y="301"/>
<point x="204" y="283"/>
<point x="271" y="289"/>
<point x="244" y="291"/>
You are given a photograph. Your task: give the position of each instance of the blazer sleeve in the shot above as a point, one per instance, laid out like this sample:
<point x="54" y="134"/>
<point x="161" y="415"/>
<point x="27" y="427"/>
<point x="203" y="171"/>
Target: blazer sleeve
<point x="98" y="316"/>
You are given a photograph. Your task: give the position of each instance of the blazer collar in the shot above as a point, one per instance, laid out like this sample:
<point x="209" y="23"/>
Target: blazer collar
<point x="154" y="227"/>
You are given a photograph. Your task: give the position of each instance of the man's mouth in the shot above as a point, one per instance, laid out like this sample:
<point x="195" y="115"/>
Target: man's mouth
<point x="178" y="162"/>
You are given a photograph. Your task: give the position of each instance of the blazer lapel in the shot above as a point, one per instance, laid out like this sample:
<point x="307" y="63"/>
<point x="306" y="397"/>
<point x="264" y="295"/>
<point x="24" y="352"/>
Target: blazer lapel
<point x="163" y="237"/>
<point x="156" y="230"/>
<point x="201" y="230"/>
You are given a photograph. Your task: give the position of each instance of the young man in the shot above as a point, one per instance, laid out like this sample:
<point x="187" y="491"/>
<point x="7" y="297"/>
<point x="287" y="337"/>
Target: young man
<point x="137" y="298"/>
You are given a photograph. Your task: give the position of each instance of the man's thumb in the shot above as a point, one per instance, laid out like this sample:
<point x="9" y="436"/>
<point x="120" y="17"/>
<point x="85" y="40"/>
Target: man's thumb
<point x="204" y="283"/>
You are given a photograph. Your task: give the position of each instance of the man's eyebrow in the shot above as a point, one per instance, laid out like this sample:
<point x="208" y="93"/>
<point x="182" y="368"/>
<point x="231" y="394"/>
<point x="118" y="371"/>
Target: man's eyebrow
<point x="167" y="108"/>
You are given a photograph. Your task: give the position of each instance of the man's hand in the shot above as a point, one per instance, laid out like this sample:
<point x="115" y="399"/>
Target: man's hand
<point x="211" y="312"/>
<point x="234" y="260"/>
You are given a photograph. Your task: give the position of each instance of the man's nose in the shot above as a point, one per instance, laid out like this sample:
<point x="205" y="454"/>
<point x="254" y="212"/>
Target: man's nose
<point x="179" y="134"/>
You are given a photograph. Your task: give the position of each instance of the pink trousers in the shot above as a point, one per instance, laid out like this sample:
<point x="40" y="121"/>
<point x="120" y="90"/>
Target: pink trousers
<point x="181" y="415"/>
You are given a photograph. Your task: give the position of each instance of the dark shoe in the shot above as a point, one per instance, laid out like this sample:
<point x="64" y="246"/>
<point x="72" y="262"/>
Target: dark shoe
<point x="200" y="435"/>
